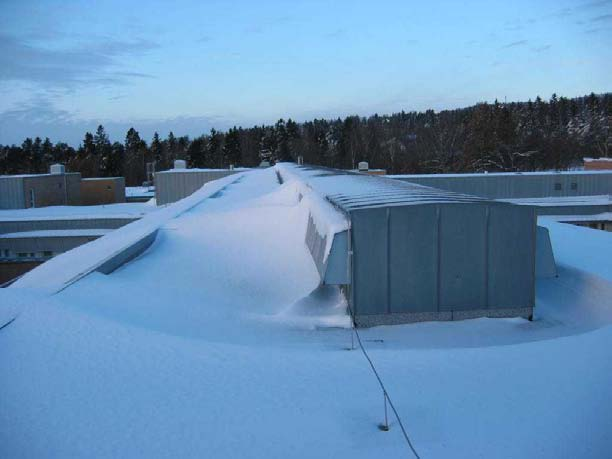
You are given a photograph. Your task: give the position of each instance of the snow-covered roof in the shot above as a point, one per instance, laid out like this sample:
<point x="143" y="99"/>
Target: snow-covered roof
<point x="183" y="171"/>
<point x="219" y="342"/>
<point x="140" y="191"/>
<point x="38" y="175"/>
<point x="121" y="210"/>
<point x="350" y="191"/>
<point x="590" y="160"/>
<point x="562" y="201"/>
<point x="602" y="217"/>
<point x="501" y="174"/>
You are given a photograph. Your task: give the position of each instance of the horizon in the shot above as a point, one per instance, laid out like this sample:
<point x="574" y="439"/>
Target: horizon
<point x="246" y="65"/>
<point x="115" y="133"/>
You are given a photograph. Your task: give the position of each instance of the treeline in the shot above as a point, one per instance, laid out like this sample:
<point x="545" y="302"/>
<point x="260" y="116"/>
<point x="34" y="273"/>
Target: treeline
<point x="518" y="136"/>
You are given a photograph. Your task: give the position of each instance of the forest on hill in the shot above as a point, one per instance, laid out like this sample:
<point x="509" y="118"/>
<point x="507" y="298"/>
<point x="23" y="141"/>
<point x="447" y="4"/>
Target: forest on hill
<point x="517" y="136"/>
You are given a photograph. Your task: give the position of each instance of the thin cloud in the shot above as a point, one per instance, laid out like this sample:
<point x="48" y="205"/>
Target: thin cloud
<point x="92" y="63"/>
<point x="597" y="4"/>
<point x="541" y="49"/>
<point x="40" y="117"/>
<point x="338" y="33"/>
<point x="602" y="18"/>
<point x="515" y="44"/>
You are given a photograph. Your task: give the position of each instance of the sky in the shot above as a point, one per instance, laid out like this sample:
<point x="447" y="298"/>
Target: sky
<point x="187" y="66"/>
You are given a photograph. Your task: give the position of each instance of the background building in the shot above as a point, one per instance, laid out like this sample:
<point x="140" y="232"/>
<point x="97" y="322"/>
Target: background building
<point x="178" y="183"/>
<point x="103" y="190"/>
<point x="58" y="188"/>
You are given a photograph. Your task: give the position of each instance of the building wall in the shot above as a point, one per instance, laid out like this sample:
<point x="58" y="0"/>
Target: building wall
<point x="52" y="190"/>
<point x="515" y="186"/>
<point x="19" y="226"/>
<point x="39" y="245"/>
<point x="172" y="186"/>
<point x="98" y="191"/>
<point x="11" y="192"/>
<point x="442" y="261"/>
<point x="10" y="270"/>
<point x="598" y="164"/>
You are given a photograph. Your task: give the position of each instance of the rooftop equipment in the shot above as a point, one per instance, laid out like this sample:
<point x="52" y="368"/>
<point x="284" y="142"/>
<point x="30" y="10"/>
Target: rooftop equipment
<point x="57" y="169"/>
<point x="415" y="253"/>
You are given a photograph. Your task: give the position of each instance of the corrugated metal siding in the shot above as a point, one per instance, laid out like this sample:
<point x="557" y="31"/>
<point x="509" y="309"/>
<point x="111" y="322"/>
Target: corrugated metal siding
<point x="41" y="244"/>
<point x="18" y="226"/>
<point x="443" y="258"/>
<point x="173" y="186"/>
<point x="515" y="186"/>
<point x="11" y="193"/>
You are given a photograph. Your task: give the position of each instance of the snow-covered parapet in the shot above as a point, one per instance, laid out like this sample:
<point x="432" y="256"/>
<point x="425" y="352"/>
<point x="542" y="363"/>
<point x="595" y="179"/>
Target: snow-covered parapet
<point x="61" y="271"/>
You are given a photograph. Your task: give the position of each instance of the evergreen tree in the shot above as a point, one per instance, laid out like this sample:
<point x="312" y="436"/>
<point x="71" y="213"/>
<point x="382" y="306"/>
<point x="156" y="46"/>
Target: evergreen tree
<point x="231" y="147"/>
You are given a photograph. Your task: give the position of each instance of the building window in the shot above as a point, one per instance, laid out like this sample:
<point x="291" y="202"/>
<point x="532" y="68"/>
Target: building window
<point x="574" y="186"/>
<point x="22" y="255"/>
<point x="558" y="187"/>
<point x="47" y="253"/>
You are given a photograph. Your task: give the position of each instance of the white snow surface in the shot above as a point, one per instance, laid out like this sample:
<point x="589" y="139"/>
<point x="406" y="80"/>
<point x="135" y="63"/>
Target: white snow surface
<point x="501" y="174"/>
<point x="122" y="210"/>
<point x="562" y="201"/>
<point x="64" y="269"/>
<point x="139" y="191"/>
<point x="218" y="342"/>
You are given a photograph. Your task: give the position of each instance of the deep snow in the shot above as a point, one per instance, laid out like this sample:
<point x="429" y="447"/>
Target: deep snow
<point x="216" y="342"/>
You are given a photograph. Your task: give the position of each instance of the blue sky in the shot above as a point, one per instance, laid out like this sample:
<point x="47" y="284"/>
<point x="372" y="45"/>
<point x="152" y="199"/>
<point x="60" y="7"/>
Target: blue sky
<point x="67" y="66"/>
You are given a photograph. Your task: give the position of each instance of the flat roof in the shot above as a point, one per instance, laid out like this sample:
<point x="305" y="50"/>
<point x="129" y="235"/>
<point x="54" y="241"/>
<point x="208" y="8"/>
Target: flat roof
<point x="562" y="201"/>
<point x="107" y="211"/>
<point x="349" y="191"/>
<point x="37" y="175"/>
<point x="236" y="169"/>
<point x="602" y="217"/>
<point x="501" y="174"/>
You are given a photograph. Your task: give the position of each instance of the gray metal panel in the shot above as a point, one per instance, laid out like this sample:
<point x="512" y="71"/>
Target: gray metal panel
<point x="11" y="193"/>
<point x="41" y="244"/>
<point x="463" y="235"/>
<point x="413" y="258"/>
<point x="336" y="271"/>
<point x="370" y="264"/>
<point x="172" y="186"/>
<point x="517" y="185"/>
<point x="511" y="262"/>
<point x="545" y="259"/>
<point x="316" y="245"/>
<point x="127" y="254"/>
<point x="18" y="226"/>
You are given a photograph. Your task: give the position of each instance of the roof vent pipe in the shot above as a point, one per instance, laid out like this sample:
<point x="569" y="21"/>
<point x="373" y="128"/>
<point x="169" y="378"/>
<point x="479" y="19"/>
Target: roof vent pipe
<point x="57" y="169"/>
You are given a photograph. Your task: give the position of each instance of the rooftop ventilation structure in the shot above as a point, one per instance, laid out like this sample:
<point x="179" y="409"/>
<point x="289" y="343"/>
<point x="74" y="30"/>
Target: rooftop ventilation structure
<point x="57" y="169"/>
<point x="416" y="253"/>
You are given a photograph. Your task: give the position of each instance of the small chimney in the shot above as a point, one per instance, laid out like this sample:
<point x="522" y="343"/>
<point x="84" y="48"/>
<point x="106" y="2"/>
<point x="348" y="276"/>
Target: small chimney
<point x="57" y="169"/>
<point x="363" y="166"/>
<point x="231" y="167"/>
<point x="180" y="164"/>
